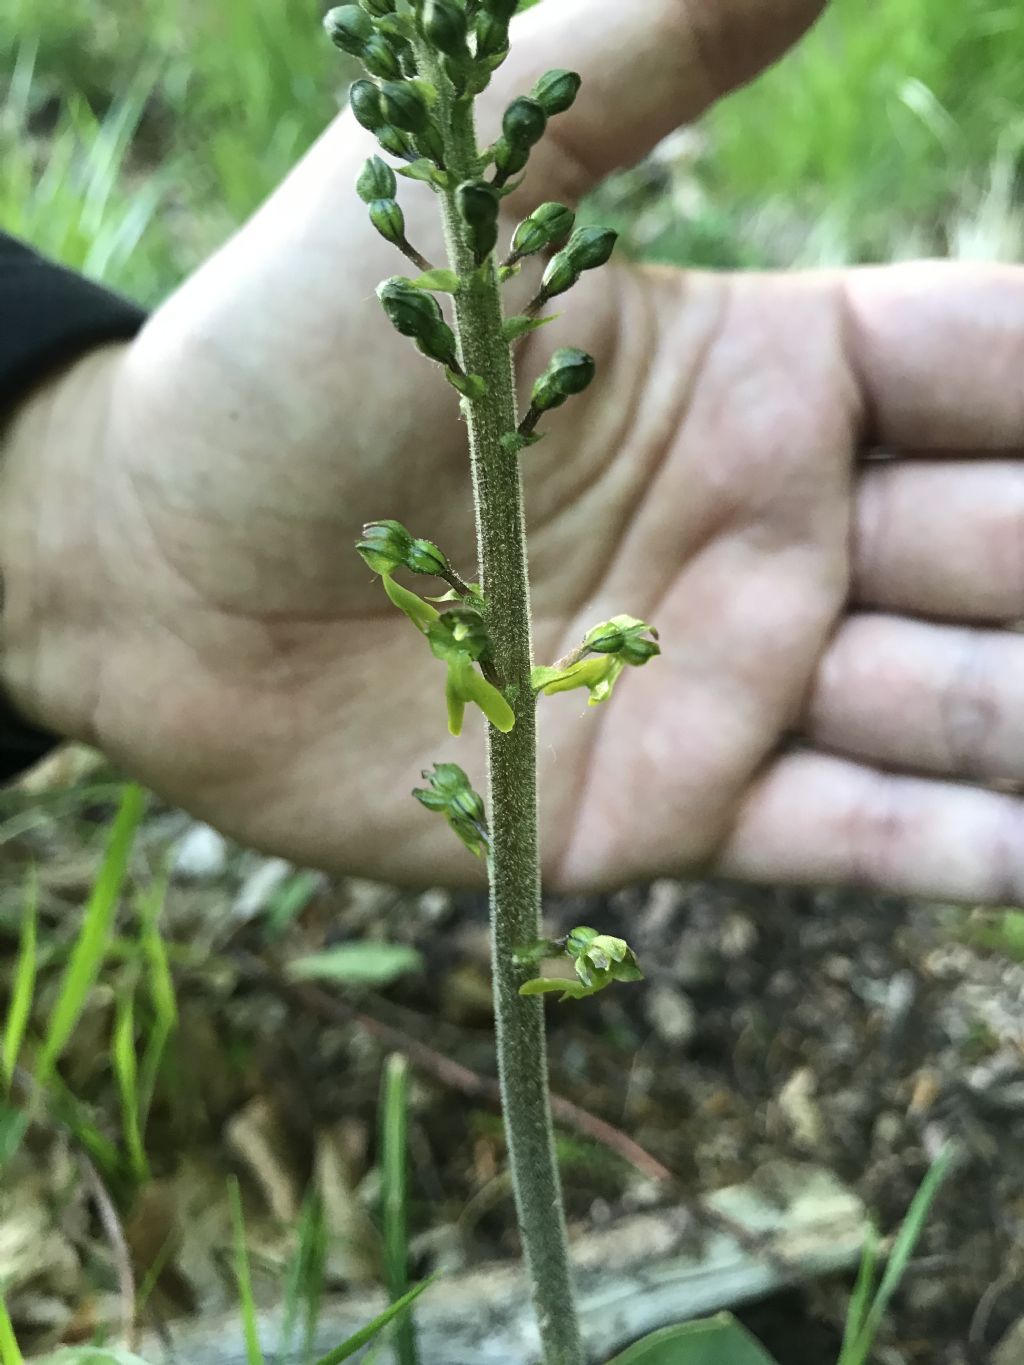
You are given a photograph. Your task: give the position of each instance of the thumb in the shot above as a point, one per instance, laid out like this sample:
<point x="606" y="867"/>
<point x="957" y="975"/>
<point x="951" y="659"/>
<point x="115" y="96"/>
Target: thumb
<point x="647" y="67"/>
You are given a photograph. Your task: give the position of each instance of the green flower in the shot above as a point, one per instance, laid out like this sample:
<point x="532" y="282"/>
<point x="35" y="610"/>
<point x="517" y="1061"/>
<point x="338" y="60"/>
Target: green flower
<point x="451" y="794"/>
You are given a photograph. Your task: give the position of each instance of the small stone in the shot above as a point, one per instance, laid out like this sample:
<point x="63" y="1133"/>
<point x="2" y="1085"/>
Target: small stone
<point x="435" y="905"/>
<point x="258" y="888"/>
<point x="739" y="936"/>
<point x="799" y="1108"/>
<point x="697" y="966"/>
<point x="672" y="1014"/>
<point x="201" y="855"/>
<point x="664" y="899"/>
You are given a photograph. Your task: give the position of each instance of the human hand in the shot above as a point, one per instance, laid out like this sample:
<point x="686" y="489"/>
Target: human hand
<point x="189" y="598"/>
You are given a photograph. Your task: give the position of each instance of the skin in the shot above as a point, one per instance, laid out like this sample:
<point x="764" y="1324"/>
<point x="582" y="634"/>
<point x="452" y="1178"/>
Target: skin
<point x="841" y="693"/>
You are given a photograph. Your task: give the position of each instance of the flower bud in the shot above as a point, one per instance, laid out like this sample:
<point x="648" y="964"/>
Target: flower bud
<point x="364" y="101"/>
<point x="431" y="143"/>
<point x="389" y="220"/>
<point x="444" y="23"/>
<point x="590" y="247"/>
<point x="477" y="203"/>
<point x="380" y="58"/>
<point x="509" y="159"/>
<point x="385" y="545"/>
<point x="376" y="181"/>
<point x="378" y="8"/>
<point x="626" y="637"/>
<point x="349" y="28"/>
<point x="523" y="123"/>
<point x="425" y="557"/>
<point x="404" y="106"/>
<point x="548" y="225"/>
<point x="561" y="274"/>
<point x="410" y="311"/>
<point x="569" y="372"/>
<point x="491" y="38"/>
<point x="556" y="91"/>
<point x="398" y="144"/>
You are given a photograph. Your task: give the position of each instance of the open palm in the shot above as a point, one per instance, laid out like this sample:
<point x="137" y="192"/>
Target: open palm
<point x="832" y="625"/>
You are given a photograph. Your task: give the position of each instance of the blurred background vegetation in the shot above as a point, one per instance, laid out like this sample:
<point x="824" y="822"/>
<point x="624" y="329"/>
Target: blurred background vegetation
<point x="134" y="136"/>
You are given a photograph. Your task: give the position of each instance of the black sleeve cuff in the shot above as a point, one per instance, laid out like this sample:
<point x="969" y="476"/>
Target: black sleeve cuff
<point x="48" y="316"/>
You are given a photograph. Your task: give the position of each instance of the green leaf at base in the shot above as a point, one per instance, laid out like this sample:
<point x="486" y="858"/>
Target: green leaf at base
<point x="358" y="964"/>
<point x="714" y="1341"/>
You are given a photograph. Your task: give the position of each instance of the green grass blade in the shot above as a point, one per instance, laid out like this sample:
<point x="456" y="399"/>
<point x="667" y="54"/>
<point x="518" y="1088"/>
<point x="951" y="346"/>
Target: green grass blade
<point x="10" y="1353"/>
<point x="899" y="1257"/>
<point x="126" y="1069"/>
<point x="87" y="957"/>
<point x="304" y="1290"/>
<point x="23" y="987"/>
<point x="243" y="1277"/>
<point x="162" y="996"/>
<point x="365" y="1335"/>
<point x="394" y="1124"/>
<point x="860" y="1300"/>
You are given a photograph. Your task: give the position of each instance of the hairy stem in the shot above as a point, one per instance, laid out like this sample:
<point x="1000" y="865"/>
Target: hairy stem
<point x="514" y="865"/>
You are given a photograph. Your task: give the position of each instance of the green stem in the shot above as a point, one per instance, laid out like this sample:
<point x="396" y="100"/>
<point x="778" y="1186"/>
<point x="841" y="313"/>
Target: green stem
<point x="514" y="865"/>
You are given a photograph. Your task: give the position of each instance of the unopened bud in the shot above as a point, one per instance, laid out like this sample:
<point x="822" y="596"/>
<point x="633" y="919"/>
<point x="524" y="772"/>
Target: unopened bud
<point x="491" y="38"/>
<point x="500" y="9"/>
<point x="404" y="106"/>
<point x="556" y="91"/>
<point x="378" y="8"/>
<point x="444" y="23"/>
<point x="380" y="58"/>
<point x="523" y="123"/>
<point x="509" y="159"/>
<point x="478" y="207"/>
<point x="364" y="101"/>
<point x="385" y="545"/>
<point x="376" y="181"/>
<point x="548" y="225"/>
<point x="632" y="640"/>
<point x="389" y="220"/>
<point x="590" y="247"/>
<point x="410" y="311"/>
<point x="561" y="274"/>
<point x="570" y="372"/>
<point x="398" y="144"/>
<point x="425" y="557"/>
<point x="349" y="28"/>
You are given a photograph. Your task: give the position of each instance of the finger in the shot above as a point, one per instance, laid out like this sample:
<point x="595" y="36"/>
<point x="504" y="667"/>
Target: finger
<point x="647" y="67"/>
<point x="941" y="539"/>
<point x="818" y="819"/>
<point x="938" y="349"/>
<point x="928" y="698"/>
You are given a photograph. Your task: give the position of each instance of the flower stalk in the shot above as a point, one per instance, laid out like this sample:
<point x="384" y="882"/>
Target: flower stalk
<point x="430" y="58"/>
